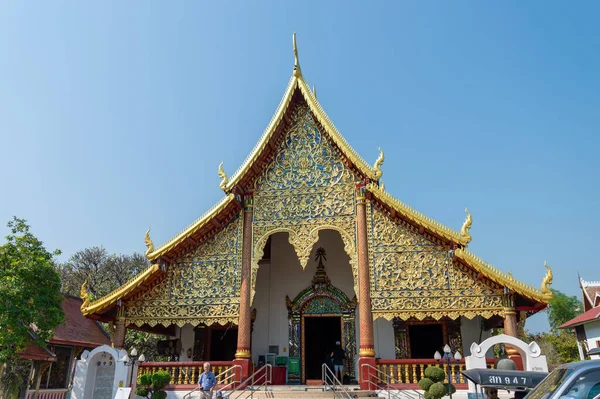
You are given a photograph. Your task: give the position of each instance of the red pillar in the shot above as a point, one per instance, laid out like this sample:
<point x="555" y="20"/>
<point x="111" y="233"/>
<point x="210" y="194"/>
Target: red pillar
<point x="510" y="328"/>
<point x="242" y="354"/>
<point x="366" y="351"/>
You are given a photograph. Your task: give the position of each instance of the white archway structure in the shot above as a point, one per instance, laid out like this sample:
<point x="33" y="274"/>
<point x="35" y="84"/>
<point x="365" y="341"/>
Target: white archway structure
<point x="533" y="360"/>
<point x="103" y="365"/>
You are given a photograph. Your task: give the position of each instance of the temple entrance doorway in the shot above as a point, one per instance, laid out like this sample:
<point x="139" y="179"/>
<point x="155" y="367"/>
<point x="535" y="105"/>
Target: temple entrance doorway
<point x="425" y="339"/>
<point x="320" y="335"/>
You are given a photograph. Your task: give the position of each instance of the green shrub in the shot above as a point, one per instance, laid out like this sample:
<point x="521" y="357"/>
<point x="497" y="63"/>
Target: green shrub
<point x="438" y="390"/>
<point x="425" y="383"/>
<point x="450" y="388"/>
<point x="151" y="385"/>
<point x="160" y="379"/>
<point x="435" y="374"/>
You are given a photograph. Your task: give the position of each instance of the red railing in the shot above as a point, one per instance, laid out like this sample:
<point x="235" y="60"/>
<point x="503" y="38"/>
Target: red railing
<point x="184" y="373"/>
<point x="410" y="371"/>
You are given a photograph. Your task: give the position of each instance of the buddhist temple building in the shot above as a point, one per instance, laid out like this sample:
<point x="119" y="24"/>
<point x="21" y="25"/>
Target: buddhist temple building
<point x="307" y="248"/>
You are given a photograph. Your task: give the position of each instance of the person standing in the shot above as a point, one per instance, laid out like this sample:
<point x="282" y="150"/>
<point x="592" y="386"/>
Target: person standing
<point x="207" y="382"/>
<point x="338" y="355"/>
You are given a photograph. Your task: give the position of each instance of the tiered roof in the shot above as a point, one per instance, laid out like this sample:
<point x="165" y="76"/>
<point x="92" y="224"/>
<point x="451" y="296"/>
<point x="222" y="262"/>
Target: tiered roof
<point x="239" y="183"/>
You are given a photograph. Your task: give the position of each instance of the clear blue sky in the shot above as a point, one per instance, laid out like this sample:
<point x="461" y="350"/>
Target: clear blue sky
<point x="115" y="115"/>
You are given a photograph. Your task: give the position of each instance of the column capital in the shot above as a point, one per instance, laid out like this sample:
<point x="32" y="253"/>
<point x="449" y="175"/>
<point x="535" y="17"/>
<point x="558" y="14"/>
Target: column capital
<point x="361" y="190"/>
<point x="248" y="202"/>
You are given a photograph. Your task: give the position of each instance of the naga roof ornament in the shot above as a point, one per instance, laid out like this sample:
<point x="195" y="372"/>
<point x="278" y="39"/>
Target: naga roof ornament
<point x="464" y="231"/>
<point x="297" y="70"/>
<point x="547" y="281"/>
<point x="377" y="165"/>
<point x="83" y="294"/>
<point x="149" y="243"/>
<point x="315" y="91"/>
<point x="224" y="178"/>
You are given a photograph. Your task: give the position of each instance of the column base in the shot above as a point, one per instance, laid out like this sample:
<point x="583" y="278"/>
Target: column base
<point x="246" y="366"/>
<point x="366" y="374"/>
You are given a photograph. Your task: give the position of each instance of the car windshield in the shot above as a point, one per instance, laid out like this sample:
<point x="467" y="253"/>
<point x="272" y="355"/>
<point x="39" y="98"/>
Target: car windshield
<point x="549" y="384"/>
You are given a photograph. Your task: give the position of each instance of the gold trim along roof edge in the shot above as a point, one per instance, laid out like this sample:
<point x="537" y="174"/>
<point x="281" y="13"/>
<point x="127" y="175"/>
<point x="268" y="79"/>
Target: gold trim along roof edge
<point x="100" y="305"/>
<point x="416" y="216"/>
<point x="317" y="110"/>
<point x="504" y="279"/>
<point x="185" y="233"/>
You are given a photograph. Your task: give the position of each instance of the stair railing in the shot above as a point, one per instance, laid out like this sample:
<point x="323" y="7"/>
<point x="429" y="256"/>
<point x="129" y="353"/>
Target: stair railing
<point x="229" y="377"/>
<point x="248" y="386"/>
<point x="333" y="384"/>
<point x="383" y="382"/>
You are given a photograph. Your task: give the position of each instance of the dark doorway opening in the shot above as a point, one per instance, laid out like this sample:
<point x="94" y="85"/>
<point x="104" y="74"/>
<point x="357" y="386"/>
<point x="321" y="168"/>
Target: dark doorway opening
<point x="320" y="335"/>
<point x="425" y="339"/>
<point x="223" y="343"/>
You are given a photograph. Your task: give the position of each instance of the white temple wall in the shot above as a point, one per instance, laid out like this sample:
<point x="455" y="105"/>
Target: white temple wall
<point x="383" y="335"/>
<point x="592" y="333"/>
<point x="187" y="336"/>
<point x="471" y="331"/>
<point x="283" y="276"/>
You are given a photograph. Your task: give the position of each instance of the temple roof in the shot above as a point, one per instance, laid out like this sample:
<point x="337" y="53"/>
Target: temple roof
<point x="591" y="293"/>
<point x="224" y="209"/>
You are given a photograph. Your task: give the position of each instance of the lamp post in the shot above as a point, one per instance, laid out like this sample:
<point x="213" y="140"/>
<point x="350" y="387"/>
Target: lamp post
<point x="449" y="360"/>
<point x="131" y="360"/>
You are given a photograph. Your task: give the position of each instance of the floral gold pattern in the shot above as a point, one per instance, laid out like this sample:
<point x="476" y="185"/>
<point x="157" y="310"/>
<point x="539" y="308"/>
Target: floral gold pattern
<point x="413" y="277"/>
<point x="202" y="286"/>
<point x="304" y="189"/>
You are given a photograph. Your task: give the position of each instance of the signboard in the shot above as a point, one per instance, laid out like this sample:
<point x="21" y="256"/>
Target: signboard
<point x="123" y="393"/>
<point x="507" y="381"/>
<point x="105" y="377"/>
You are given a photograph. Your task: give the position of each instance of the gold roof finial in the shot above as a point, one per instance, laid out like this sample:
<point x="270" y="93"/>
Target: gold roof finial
<point x="224" y="178"/>
<point x="314" y="91"/>
<point x="464" y="231"/>
<point x="547" y="281"/>
<point x="297" y="71"/>
<point x="83" y="294"/>
<point x="377" y="165"/>
<point x="149" y="243"/>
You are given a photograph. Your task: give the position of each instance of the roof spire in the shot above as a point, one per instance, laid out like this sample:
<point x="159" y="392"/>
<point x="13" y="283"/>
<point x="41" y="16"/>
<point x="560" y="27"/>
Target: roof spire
<point x="315" y="91"/>
<point x="297" y="71"/>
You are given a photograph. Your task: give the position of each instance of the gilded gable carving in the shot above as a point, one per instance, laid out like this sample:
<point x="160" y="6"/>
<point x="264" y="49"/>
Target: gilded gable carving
<point x="305" y="188"/>
<point x="414" y="277"/>
<point x="202" y="286"/>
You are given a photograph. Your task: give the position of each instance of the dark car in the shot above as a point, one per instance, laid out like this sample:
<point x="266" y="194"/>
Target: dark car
<point x="580" y="380"/>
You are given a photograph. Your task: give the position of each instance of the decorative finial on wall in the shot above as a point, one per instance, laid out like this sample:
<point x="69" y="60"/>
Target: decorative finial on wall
<point x="547" y="282"/>
<point x="149" y="243"/>
<point x="377" y="165"/>
<point x="464" y="231"/>
<point x="224" y="178"/>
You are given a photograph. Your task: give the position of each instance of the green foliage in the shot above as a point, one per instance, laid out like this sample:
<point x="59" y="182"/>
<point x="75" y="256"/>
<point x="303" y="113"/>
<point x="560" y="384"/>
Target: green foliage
<point x="437" y="390"/>
<point x="425" y="383"/>
<point x="30" y="299"/>
<point x="142" y="391"/>
<point x="435" y="374"/>
<point x="13" y="376"/>
<point x="563" y="308"/>
<point x="146" y="379"/>
<point x="160" y="379"/>
<point x="558" y="346"/>
<point x="433" y="383"/>
<point x="159" y="395"/>
<point x="105" y="273"/>
<point x="151" y="385"/>
<point x="450" y="388"/>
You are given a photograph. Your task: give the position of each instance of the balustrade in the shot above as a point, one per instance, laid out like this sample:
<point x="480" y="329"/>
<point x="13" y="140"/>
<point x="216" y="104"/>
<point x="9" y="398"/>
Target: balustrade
<point x="186" y="373"/>
<point x="410" y="371"/>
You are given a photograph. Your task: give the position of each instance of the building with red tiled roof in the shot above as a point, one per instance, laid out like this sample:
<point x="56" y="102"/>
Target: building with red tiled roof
<point x="70" y="339"/>
<point x="587" y="325"/>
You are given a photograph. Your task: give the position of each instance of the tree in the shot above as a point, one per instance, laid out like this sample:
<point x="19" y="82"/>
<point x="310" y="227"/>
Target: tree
<point x="30" y="299"/>
<point x="104" y="273"/>
<point x="563" y="308"/>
